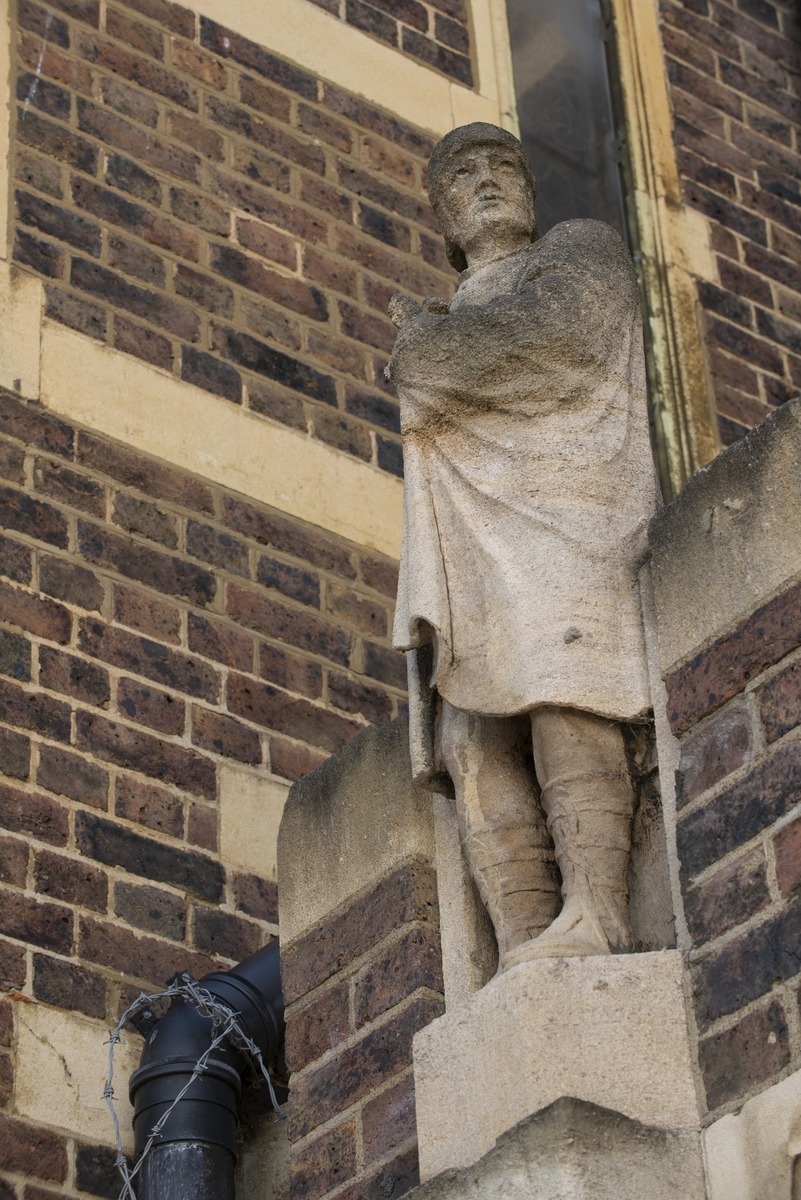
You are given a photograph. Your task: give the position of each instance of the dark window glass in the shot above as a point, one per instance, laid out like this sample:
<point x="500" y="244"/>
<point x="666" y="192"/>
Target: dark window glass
<point x="565" y="109"/>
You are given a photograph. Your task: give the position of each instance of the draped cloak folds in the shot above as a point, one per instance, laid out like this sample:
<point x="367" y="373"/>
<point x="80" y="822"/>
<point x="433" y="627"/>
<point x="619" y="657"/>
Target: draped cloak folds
<point x="529" y="485"/>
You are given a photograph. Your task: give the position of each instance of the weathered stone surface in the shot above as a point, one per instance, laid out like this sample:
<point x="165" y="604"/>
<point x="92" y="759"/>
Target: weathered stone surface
<point x="573" y="1150"/>
<point x="610" y="1030"/>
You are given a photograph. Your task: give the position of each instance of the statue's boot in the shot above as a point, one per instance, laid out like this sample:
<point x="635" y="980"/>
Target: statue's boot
<point x="588" y="800"/>
<point x="501" y="823"/>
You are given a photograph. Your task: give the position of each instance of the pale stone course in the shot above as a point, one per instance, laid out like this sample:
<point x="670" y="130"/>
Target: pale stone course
<point x="251" y="805"/>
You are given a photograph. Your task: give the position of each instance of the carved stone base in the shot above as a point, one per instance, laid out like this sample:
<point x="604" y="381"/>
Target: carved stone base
<point x="609" y="1030"/>
<point x="578" y="1151"/>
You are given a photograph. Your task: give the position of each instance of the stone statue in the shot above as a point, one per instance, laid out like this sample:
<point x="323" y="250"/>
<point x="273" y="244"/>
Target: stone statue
<point x="529" y="487"/>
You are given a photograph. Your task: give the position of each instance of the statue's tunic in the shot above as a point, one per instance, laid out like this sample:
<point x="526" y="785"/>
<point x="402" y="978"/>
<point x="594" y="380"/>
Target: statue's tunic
<point x="529" y="481"/>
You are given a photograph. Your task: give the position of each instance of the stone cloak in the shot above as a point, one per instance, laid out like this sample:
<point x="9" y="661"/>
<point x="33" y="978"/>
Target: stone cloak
<point x="529" y="482"/>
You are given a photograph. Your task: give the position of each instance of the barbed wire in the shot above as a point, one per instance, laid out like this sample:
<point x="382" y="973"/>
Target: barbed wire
<point x="225" y="1027"/>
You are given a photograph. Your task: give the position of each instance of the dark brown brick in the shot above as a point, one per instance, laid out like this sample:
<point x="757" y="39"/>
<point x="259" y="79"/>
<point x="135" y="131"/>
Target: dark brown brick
<point x="96" y="1171"/>
<point x="378" y="410"/>
<point x="441" y="58"/>
<point x="78" y="314"/>
<point x="737" y="892"/>
<point x="57" y="142"/>
<point x="12" y="464"/>
<point x="141" y="752"/>
<point x="355" y="1072"/>
<point x="203" y="67"/>
<point x="15" y="754"/>
<point x="148" y="75"/>
<point x="73" y="676"/>
<point x="354" y="697"/>
<point x="13" y="861"/>
<point x="713" y="752"/>
<point x="6" y="1078"/>
<point x="256" y="356"/>
<point x="320" y="125"/>
<point x="117" y="846"/>
<point x="200" y="210"/>
<point x="409" y="273"/>
<point x="290" y="293"/>
<point x="267" y="242"/>
<point x="13" y="964"/>
<point x="386" y="665"/>
<point x="224" y="934"/>
<point x="71" y="582"/>
<point x="112" y="288"/>
<point x="290" y="671"/>
<point x="140" y="144"/>
<point x="33" y="517"/>
<point x="787" y="849"/>
<point x="780" y="702"/>
<point x="291" y="581"/>
<point x="726" y="666"/>
<point x="204" y="291"/>
<point x="326" y="1163"/>
<point x="164" y="12"/>
<point x="70" y="880"/>
<point x="221" y="734"/>
<point x="415" y="961"/>
<point x="144" y="958"/>
<point x="15" y="655"/>
<point x="31" y="1150"/>
<point x="380" y="575"/>
<point x="67" y="985"/>
<point x="272" y="401"/>
<point x="148" y="520"/>
<point x="394" y="1178"/>
<point x="740" y="812"/>
<point x="31" y="710"/>
<point x="173" y="669"/>
<point x="32" y="16"/>
<point x="389" y="1120"/>
<point x="45" y="925"/>
<point x="201" y="826"/>
<point x="132" y="258"/>
<point x="291" y="760"/>
<point x="151" y="909"/>
<point x="356" y="110"/>
<point x="338" y="430"/>
<point x="24" y="423"/>
<point x="160" y="571"/>
<point x="277" y="710"/>
<point x="33" y="814"/>
<point x="272" y="323"/>
<point x="734" y="1062"/>
<point x="68" y="775"/>
<point x="143" y="343"/>
<point x="217" y="547"/>
<point x="42" y="257"/>
<point x="221" y="642"/>
<point x="197" y="134"/>
<point x="6" y="1023"/>
<point x="129" y="102"/>
<point x="150" y="706"/>
<point x="301" y="629"/>
<point x="409" y="894"/>
<point x="317" y="1028"/>
<point x="149" y="614"/>
<point x="153" y="807"/>
<point x="363" y="612"/>
<point x="15" y="560"/>
<point x="370" y="20"/>
<point x="227" y="44"/>
<point x="140" y="37"/>
<point x="129" y="177"/>
<point x="268" y="206"/>
<point x="257" y="897"/>
<point x="452" y="34"/>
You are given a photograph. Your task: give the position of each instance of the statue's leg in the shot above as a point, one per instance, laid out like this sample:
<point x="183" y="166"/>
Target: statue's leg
<point x="501" y="823"/>
<point x="588" y="800"/>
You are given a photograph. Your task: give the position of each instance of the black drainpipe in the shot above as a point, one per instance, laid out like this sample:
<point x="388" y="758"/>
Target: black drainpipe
<point x="196" y="1153"/>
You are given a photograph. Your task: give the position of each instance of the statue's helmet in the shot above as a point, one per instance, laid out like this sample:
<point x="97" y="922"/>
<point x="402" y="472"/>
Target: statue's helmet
<point x="465" y="137"/>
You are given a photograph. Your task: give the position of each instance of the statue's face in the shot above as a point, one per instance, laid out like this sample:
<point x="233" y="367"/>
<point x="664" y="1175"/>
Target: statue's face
<point x="486" y="196"/>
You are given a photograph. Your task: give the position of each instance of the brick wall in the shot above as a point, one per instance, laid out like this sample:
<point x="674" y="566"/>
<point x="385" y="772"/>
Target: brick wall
<point x="154" y="628"/>
<point x="737" y="708"/>
<point x="734" y="68"/>
<point x="196" y="201"/>
<point x="359" y="987"/>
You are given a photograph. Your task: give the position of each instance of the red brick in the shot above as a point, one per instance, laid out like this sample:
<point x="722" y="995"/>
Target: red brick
<point x="274" y="324"/>
<point x="265" y="99"/>
<point x="336" y="353"/>
<point x="267" y="242"/>
<point x="71" y="880"/>
<point x="141" y="752"/>
<point x="144" y="958"/>
<point x="71" y="582"/>
<point x="221" y="642"/>
<point x="317" y="1028"/>
<point x="33" y="1151"/>
<point x="388" y="126"/>
<point x="319" y="124"/>
<point x="330" y="272"/>
<point x="68" y="775"/>
<point x="44" y="618"/>
<point x="148" y="75"/>
<point x="33" y="517"/>
<point x="66" y="985"/>
<point x="193" y="61"/>
<point x="353" y="1073"/>
<point x="147" y="613"/>
<point x="394" y="1178"/>
<point x="780" y="702"/>
<point x="55" y="222"/>
<point x="140" y="144"/>
<point x="13" y="966"/>
<point x="204" y="291"/>
<point x="201" y="827"/>
<point x="713" y="752"/>
<point x="787" y="849"/>
<point x="409" y="894"/>
<point x="410" y="274"/>
<point x="45" y="925"/>
<point x="267" y="206"/>
<point x="33" y="814"/>
<point x="734" y="1062"/>
<point x="221" y="734"/>
<point x="362" y="612"/>
<point x="163" y="572"/>
<point x="734" y="894"/>
<point x="724" y="669"/>
<point x="13" y="861"/>
<point x="150" y="706"/>
<point x="415" y="961"/>
<point x="31" y="710"/>
<point x="326" y="1163"/>
<point x="196" y="134"/>
<point x="291" y="760"/>
<point x="171" y="668"/>
<point x="290" y="671"/>
<point x="290" y="293"/>
<point x="354" y="697"/>
<point x="279" y="711"/>
<point x="327" y="199"/>
<point x="164" y="12"/>
<point x="389" y="1120"/>
<point x="224" y="934"/>
<point x="151" y="806"/>
<point x="73" y="676"/>
<point x="140" y="37"/>
<point x="382" y="576"/>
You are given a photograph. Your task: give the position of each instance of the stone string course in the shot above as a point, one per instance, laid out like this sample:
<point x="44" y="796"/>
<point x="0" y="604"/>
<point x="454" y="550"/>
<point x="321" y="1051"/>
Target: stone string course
<point x="195" y="201"/>
<point x="734" y="70"/>
<point x="358" y="988"/>
<point x="153" y="628"/>
<point x="738" y="707"/>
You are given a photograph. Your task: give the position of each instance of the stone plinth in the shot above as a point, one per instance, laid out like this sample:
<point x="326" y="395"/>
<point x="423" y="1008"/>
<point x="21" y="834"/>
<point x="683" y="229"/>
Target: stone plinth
<point x="573" y="1150"/>
<point x="612" y="1031"/>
